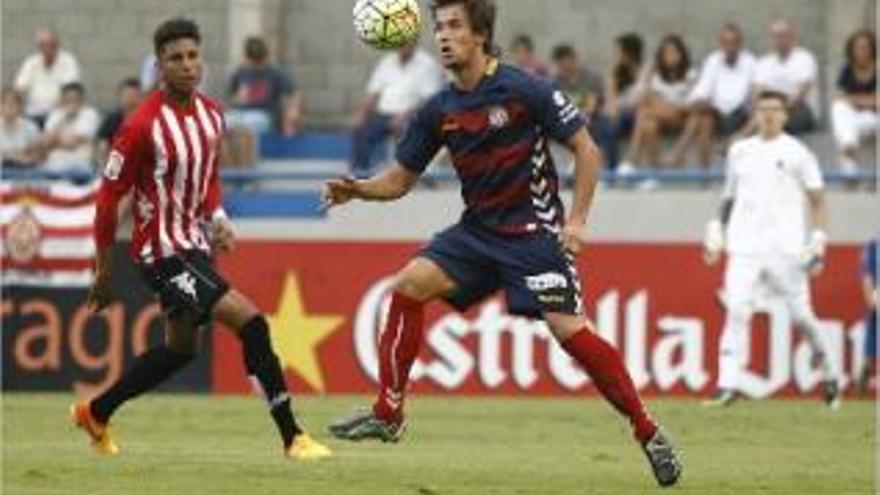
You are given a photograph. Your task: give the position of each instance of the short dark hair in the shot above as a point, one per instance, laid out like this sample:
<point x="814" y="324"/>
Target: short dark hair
<point x="481" y="15"/>
<point x="255" y="48"/>
<point x="853" y="38"/>
<point x="129" y="82"/>
<point x="75" y="86"/>
<point x="632" y="46"/>
<point x="173" y="30"/>
<point x="562" y="51"/>
<point x="523" y="41"/>
<point x="769" y="94"/>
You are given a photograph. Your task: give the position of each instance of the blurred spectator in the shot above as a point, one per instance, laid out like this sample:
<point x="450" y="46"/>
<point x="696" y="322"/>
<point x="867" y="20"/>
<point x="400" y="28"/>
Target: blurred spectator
<point x="399" y="83"/>
<point x="792" y="71"/>
<point x="663" y="106"/>
<point x="261" y="95"/>
<point x="129" y="95"/>
<point x="719" y="102"/>
<point x="69" y="134"/>
<point x="19" y="136"/>
<point x="522" y="50"/>
<point x="42" y="75"/>
<point x="622" y="91"/>
<point x="854" y="111"/>
<point x="584" y="88"/>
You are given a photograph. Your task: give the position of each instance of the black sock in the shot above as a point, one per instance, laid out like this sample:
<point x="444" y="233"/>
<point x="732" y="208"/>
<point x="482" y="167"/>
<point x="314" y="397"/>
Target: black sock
<point x="148" y="371"/>
<point x="264" y="370"/>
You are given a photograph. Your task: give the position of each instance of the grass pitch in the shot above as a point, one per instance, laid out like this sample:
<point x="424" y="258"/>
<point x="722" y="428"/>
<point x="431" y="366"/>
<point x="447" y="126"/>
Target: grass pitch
<point x="193" y="445"/>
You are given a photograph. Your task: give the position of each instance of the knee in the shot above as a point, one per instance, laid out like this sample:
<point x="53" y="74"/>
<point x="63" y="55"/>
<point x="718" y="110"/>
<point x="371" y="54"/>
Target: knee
<point x="422" y="281"/>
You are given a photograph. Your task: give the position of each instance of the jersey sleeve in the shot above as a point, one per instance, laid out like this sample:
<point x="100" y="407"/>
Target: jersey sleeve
<point x="127" y="156"/>
<point x="421" y="141"/>
<point x="811" y="174"/>
<point x="555" y="113"/>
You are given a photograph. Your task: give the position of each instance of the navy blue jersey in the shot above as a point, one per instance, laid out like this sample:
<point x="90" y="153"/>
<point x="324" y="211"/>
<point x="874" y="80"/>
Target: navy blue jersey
<point x="497" y="137"/>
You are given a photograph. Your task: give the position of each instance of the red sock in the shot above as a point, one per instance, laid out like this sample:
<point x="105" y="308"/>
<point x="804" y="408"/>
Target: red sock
<point x="605" y="366"/>
<point x="398" y="348"/>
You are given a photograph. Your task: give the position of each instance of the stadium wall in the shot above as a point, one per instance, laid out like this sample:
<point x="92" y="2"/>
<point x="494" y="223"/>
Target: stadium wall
<point x="111" y="37"/>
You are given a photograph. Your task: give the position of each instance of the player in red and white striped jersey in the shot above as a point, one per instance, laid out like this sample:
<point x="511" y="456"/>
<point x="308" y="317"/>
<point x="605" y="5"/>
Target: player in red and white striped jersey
<point x="167" y="150"/>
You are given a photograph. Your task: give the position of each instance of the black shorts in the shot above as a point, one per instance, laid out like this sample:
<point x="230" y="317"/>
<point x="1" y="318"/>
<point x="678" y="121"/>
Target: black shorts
<point x="186" y="283"/>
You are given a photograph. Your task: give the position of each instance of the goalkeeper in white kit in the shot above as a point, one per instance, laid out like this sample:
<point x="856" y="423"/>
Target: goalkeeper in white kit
<point x="770" y="177"/>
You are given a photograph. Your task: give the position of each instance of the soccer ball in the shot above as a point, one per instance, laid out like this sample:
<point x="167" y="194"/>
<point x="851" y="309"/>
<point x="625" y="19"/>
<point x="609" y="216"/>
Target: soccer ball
<point x="387" y="24"/>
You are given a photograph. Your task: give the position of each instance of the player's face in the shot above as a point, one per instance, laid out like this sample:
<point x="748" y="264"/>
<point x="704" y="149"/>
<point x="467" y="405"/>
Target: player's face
<point x="729" y="41"/>
<point x="771" y="116"/>
<point x="181" y="64"/>
<point x="456" y="40"/>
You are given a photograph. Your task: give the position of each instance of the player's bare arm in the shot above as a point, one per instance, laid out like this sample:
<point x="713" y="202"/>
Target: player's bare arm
<point x="393" y="183"/>
<point x="586" y="176"/>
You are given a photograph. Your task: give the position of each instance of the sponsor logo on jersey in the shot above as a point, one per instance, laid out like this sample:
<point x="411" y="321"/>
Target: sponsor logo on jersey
<point x="498" y="117"/>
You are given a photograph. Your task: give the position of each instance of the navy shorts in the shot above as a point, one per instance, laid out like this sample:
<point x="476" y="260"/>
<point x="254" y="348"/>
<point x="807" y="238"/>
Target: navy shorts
<point x="186" y="283"/>
<point x="537" y="275"/>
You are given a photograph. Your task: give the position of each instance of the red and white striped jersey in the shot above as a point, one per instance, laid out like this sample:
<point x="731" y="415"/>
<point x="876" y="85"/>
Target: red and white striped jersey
<point x="170" y="155"/>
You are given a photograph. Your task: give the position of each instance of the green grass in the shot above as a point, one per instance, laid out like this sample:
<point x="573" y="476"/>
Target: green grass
<point x="193" y="445"/>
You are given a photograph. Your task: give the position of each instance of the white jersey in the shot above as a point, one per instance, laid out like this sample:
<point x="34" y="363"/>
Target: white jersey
<point x="767" y="181"/>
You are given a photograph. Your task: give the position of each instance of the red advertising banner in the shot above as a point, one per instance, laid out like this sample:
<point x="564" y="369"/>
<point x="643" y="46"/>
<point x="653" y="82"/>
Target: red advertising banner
<point x="656" y="302"/>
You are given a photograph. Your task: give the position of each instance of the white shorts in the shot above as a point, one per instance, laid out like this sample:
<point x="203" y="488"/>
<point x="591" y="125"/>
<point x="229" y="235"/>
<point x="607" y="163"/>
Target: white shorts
<point x="748" y="279"/>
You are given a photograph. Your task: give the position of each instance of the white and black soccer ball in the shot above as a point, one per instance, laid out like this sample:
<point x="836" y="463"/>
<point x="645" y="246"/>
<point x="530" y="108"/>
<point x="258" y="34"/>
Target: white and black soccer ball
<point x="387" y="24"/>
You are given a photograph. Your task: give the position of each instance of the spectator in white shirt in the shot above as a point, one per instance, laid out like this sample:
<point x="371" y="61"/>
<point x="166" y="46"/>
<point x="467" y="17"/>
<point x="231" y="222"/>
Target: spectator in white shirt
<point x="399" y="83"/>
<point x="792" y="71"/>
<point x="854" y="111"/>
<point x="719" y="102"/>
<point x="42" y="75"/>
<point x="69" y="134"/>
<point x="19" y="136"/>
<point x="663" y="107"/>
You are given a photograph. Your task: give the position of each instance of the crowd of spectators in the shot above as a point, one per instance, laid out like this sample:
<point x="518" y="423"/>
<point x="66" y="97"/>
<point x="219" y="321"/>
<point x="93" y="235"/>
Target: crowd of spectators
<point x="644" y="101"/>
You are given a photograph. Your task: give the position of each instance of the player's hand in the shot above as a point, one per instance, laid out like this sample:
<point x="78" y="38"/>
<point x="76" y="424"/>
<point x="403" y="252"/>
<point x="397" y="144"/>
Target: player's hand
<point x="222" y="235"/>
<point x="572" y="236"/>
<point x="100" y="294"/>
<point x="711" y="257"/>
<point x="713" y="242"/>
<point x="338" y="192"/>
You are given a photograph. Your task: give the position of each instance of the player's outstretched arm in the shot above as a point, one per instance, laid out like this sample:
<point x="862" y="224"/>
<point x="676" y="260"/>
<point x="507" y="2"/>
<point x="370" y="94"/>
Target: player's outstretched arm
<point x="394" y="182"/>
<point x="586" y="176"/>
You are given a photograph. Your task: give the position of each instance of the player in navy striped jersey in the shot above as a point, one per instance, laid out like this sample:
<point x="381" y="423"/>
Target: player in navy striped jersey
<point x="495" y="121"/>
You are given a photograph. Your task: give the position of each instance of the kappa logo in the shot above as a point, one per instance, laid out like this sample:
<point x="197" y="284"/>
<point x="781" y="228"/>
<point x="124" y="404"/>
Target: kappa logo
<point x="186" y="283"/>
<point x="546" y="281"/>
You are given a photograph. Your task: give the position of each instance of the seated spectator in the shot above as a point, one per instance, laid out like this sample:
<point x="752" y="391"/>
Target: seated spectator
<point x="19" y="136"/>
<point x="262" y="98"/>
<point x="584" y="88"/>
<point x="522" y="50"/>
<point x="663" y="106"/>
<point x="719" y="102"/>
<point x="623" y="91"/>
<point x="791" y="70"/>
<point x="42" y="75"/>
<point x="69" y="134"/>
<point x="129" y="95"/>
<point x="854" y="111"/>
<point x="399" y="83"/>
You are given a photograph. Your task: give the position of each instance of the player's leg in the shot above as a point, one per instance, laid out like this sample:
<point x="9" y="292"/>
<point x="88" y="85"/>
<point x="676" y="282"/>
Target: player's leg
<point x="540" y="279"/>
<point x="238" y="313"/>
<point x="869" y="368"/>
<point x="148" y="371"/>
<point x="792" y="280"/>
<point x="451" y="266"/>
<point x="741" y="276"/>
